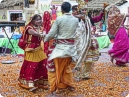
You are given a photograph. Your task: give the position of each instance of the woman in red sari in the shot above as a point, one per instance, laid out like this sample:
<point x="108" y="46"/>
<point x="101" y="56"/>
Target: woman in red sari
<point x="46" y="26"/>
<point x="33" y="70"/>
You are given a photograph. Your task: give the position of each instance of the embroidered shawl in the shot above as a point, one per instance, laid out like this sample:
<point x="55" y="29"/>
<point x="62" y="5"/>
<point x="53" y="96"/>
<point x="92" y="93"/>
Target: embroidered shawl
<point x="115" y="19"/>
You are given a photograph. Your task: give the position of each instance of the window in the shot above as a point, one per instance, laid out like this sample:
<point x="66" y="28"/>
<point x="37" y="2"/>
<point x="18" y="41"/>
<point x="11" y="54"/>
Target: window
<point x="31" y="1"/>
<point x="14" y="17"/>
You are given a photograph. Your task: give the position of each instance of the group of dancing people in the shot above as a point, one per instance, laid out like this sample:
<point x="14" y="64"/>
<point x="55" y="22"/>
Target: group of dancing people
<point x="67" y="41"/>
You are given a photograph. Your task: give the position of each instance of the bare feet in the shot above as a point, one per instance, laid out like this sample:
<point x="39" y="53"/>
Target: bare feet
<point x="71" y="89"/>
<point x="33" y="89"/>
<point x="42" y="86"/>
<point x="112" y="59"/>
<point x="24" y="86"/>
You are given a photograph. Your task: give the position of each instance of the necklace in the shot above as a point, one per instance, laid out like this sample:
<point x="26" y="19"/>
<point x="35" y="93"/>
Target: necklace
<point x="37" y="29"/>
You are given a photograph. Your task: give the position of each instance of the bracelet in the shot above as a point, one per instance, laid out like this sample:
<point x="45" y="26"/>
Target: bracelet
<point x="41" y="35"/>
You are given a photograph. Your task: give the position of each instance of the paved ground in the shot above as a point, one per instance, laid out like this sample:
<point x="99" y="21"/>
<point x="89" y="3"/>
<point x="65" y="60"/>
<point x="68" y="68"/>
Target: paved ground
<point x="107" y="80"/>
<point x="105" y="50"/>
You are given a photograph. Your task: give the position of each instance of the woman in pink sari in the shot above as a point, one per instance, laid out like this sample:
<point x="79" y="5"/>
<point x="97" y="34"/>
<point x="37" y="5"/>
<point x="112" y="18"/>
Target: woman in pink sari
<point x="54" y="10"/>
<point x="120" y="49"/>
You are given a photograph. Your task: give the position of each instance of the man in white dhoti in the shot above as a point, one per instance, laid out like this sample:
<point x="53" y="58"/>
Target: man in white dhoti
<point x="87" y="46"/>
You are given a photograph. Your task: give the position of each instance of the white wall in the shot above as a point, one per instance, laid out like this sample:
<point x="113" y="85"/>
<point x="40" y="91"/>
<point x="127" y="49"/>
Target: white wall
<point x="124" y="9"/>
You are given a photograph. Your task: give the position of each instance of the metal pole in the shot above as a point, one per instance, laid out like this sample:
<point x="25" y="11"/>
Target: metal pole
<point x="9" y="40"/>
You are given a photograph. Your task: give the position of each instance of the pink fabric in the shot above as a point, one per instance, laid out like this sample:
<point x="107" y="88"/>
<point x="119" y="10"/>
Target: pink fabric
<point x="54" y="13"/>
<point x="93" y="28"/>
<point x="31" y="71"/>
<point x="98" y="18"/>
<point x="120" y="49"/>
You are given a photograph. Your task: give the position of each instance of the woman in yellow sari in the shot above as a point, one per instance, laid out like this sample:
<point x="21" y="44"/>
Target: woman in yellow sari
<point x="33" y="70"/>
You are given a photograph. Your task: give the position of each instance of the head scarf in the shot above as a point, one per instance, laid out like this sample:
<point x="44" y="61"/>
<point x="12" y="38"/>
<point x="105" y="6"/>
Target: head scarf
<point x="115" y="19"/>
<point x="46" y="21"/>
<point x="29" y="24"/>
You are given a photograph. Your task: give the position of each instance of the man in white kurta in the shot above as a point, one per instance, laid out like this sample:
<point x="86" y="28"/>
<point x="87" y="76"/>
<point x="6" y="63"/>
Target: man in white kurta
<point x="63" y="30"/>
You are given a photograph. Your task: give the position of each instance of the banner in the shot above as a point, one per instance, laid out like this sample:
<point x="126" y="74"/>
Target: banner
<point x="56" y="2"/>
<point x="44" y="7"/>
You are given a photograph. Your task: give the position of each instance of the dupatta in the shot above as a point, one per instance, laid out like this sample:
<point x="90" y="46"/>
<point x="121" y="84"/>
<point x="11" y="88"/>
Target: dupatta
<point x="25" y="42"/>
<point x="83" y="41"/>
